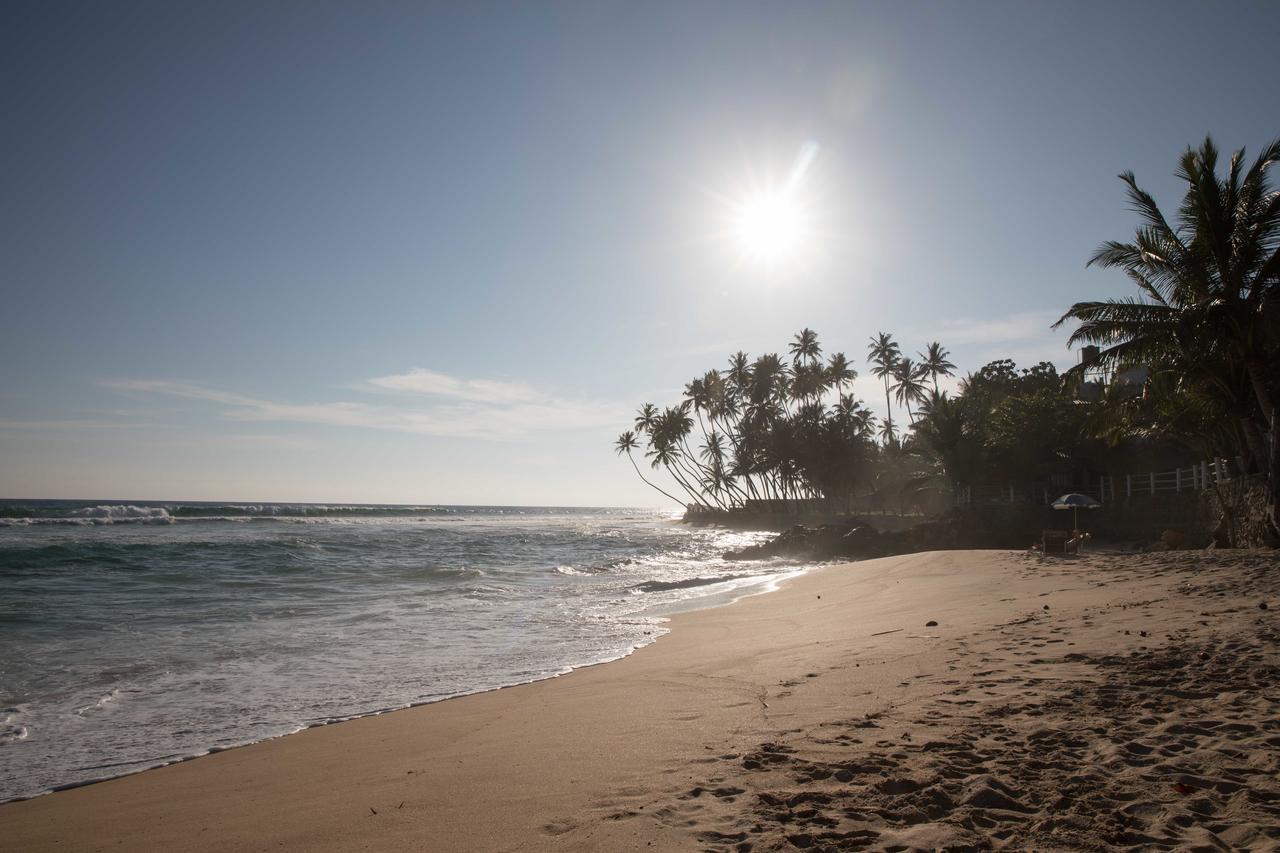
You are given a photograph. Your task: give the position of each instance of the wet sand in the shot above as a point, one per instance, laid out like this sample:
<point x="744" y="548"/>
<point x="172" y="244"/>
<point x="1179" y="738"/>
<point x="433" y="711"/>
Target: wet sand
<point x="1095" y="702"/>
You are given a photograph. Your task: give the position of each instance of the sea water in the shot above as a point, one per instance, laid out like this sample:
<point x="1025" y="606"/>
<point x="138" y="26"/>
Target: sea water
<point x="134" y="635"/>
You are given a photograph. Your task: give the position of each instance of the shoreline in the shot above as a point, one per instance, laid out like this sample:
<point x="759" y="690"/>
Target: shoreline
<point x="756" y="585"/>
<point x="736" y="703"/>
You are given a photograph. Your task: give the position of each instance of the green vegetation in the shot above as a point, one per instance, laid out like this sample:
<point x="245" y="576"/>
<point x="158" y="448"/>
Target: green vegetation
<point x="1207" y="321"/>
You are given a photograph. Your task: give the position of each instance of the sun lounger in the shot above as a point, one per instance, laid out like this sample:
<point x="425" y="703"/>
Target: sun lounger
<point x="1054" y="541"/>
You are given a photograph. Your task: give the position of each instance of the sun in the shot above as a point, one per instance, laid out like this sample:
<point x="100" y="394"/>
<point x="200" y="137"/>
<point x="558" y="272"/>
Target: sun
<point x="770" y="221"/>
<point x="769" y="227"/>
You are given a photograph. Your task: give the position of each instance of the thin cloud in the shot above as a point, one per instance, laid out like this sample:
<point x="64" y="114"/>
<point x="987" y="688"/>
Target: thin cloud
<point x="419" y="380"/>
<point x="72" y="424"/>
<point x="462" y="408"/>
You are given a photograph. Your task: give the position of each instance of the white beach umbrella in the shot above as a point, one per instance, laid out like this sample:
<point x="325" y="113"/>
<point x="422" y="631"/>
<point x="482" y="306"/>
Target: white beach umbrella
<point x="1074" y="502"/>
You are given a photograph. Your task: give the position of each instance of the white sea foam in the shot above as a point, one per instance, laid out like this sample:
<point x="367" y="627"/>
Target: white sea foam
<point x="11" y="731"/>
<point x="118" y="513"/>
<point x="141" y="642"/>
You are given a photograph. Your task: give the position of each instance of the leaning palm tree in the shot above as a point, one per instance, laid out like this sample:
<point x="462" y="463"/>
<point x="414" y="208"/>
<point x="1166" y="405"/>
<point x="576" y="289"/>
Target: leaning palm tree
<point x="935" y="363"/>
<point x="883" y="354"/>
<point x="1209" y="303"/>
<point x="909" y="386"/>
<point x="628" y="442"/>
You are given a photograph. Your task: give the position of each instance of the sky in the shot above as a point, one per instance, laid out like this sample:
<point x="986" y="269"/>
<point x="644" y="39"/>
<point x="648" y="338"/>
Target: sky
<point x="440" y="253"/>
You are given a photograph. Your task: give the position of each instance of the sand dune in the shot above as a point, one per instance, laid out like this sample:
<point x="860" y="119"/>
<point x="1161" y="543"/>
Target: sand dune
<point x="1101" y="702"/>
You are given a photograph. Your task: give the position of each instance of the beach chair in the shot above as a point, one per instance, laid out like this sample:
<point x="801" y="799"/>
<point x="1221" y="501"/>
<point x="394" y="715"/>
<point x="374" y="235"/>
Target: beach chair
<point x="1054" y="541"/>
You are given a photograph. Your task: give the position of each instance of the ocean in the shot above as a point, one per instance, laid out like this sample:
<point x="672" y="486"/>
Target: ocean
<point x="137" y="634"/>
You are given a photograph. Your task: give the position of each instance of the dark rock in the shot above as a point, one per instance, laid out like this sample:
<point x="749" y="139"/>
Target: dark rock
<point x="931" y="624"/>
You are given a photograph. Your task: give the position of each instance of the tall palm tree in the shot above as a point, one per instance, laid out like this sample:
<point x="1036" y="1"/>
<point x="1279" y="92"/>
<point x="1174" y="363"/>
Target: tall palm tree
<point x="935" y="363"/>
<point x="628" y="442"/>
<point x="840" y="372"/>
<point x="770" y="382"/>
<point x="739" y="373"/>
<point x="1209" y="302"/>
<point x="909" y="386"/>
<point x="883" y="354"/>
<point x="804" y="347"/>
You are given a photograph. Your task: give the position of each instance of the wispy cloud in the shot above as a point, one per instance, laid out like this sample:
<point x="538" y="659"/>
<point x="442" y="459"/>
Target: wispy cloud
<point x="465" y="408"/>
<point x="422" y="381"/>
<point x="62" y="424"/>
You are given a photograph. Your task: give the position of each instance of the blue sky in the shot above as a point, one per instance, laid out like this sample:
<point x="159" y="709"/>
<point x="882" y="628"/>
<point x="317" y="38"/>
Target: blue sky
<point x="405" y="252"/>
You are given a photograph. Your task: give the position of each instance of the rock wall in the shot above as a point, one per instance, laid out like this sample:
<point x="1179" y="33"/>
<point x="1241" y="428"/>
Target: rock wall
<point x="1239" y="512"/>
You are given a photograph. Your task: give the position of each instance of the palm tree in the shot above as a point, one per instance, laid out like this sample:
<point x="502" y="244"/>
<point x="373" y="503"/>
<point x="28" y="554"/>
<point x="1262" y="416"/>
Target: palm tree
<point x="770" y="382"/>
<point x="739" y="373"/>
<point x="1209" y="303"/>
<point x="808" y="381"/>
<point x="668" y="447"/>
<point x="888" y="432"/>
<point x="768" y="432"/>
<point x="839" y="372"/>
<point x="646" y="418"/>
<point x="804" y="347"/>
<point x="935" y="364"/>
<point x="909" y="384"/>
<point x="944" y="433"/>
<point x="883" y="354"/>
<point x="628" y="442"/>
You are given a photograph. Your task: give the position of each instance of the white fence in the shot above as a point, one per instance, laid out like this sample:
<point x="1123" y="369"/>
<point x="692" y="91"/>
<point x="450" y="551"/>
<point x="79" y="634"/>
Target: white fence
<point x="1194" y="479"/>
<point x="1107" y="488"/>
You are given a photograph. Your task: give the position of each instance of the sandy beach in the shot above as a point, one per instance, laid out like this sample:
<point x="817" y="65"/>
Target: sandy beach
<point x="1110" y="700"/>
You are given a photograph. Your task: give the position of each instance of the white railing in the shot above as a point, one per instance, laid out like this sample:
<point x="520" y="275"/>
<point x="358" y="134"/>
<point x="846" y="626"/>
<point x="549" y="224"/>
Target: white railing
<point x="1107" y="488"/>
<point x="1193" y="479"/>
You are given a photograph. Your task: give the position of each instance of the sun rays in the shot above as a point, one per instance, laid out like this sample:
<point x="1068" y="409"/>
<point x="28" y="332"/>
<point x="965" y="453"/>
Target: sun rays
<point x="766" y="220"/>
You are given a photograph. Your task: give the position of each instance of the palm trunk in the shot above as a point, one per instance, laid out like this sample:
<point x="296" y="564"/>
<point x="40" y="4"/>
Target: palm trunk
<point x="731" y="432"/>
<point x="698" y="499"/>
<point x="1273" y="475"/>
<point x="646" y="481"/>
<point x="696" y="470"/>
<point x="887" y="406"/>
<point x="1255" y="447"/>
<point x="1261" y="392"/>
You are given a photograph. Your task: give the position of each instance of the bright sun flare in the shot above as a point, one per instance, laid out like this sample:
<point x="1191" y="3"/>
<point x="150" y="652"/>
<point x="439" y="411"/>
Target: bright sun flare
<point x="769" y="227"/>
<point x="771" y="224"/>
